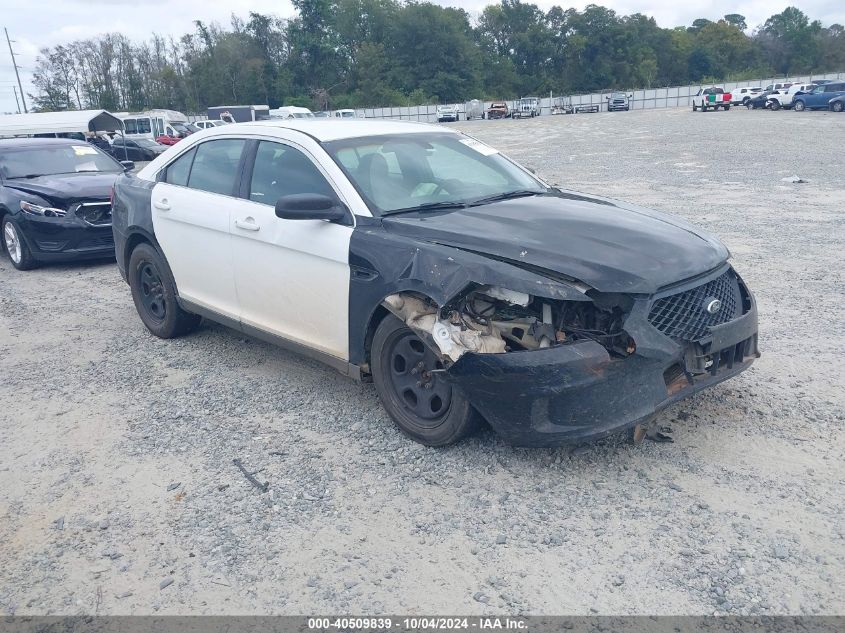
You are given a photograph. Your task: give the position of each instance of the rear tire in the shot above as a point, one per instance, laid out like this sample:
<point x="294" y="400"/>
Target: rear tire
<point x="154" y="294"/>
<point x="424" y="406"/>
<point x="727" y="107"/>
<point x="838" y="106"/>
<point x="16" y="247"/>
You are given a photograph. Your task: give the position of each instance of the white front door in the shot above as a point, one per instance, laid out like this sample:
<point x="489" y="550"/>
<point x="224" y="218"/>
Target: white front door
<point x="191" y="217"/>
<point x="292" y="276"/>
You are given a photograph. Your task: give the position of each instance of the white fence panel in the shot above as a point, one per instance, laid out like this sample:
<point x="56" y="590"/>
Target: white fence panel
<point x="643" y="99"/>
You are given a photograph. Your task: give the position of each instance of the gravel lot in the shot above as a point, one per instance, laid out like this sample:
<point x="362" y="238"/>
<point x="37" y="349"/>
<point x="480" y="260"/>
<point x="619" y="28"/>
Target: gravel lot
<point x="118" y="494"/>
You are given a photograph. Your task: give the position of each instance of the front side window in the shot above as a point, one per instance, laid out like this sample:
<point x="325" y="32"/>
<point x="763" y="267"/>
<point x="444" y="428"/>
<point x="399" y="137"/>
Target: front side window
<point x="131" y="126"/>
<point x="215" y="166"/>
<point x="281" y="170"/>
<point x="406" y="172"/>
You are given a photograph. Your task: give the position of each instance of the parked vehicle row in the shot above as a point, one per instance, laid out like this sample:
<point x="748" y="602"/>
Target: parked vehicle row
<point x="820" y="94"/>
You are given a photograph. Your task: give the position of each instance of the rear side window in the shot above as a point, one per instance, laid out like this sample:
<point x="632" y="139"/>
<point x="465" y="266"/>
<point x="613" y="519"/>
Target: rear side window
<point x="131" y="126"/>
<point x="178" y="171"/>
<point x="215" y="166"/>
<point x="835" y="87"/>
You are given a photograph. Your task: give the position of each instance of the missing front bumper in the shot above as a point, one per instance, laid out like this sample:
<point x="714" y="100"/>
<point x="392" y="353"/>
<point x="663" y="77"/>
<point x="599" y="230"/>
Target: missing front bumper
<point x="574" y="393"/>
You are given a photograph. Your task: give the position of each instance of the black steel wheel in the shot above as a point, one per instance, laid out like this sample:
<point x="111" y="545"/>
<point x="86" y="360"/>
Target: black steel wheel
<point x="154" y="294"/>
<point x="151" y="291"/>
<point x="411" y="384"/>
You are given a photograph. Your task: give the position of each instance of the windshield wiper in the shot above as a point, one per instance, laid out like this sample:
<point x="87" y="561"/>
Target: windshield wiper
<point x="508" y="195"/>
<point x="428" y="206"/>
<point x="25" y="176"/>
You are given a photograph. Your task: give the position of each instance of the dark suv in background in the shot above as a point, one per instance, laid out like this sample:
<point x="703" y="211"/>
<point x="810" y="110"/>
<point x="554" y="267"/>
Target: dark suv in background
<point x="55" y="200"/>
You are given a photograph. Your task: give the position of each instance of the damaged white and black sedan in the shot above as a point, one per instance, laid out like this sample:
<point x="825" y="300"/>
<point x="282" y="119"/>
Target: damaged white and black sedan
<point x="465" y="287"/>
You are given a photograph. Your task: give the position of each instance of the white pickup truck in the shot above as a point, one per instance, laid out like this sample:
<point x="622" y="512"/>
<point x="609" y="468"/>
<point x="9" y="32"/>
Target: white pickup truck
<point x="711" y="97"/>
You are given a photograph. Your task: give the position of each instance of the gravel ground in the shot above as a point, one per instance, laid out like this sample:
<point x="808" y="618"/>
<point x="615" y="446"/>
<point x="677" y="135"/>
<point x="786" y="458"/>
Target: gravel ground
<point x="118" y="494"/>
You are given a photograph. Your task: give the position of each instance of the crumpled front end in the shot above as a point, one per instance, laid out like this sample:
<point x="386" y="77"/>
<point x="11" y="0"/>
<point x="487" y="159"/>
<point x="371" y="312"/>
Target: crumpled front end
<point x="547" y="372"/>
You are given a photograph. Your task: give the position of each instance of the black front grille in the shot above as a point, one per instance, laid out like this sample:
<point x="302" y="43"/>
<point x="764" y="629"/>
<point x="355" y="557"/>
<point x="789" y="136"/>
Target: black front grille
<point x="685" y="316"/>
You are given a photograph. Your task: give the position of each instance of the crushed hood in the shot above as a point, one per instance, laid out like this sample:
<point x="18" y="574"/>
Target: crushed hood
<point x="608" y="245"/>
<point x="61" y="188"/>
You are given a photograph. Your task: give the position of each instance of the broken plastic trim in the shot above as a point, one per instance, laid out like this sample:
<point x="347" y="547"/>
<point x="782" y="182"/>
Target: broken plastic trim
<point x="495" y="320"/>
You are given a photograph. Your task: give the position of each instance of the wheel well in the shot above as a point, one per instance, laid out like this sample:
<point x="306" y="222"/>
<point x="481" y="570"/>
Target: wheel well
<point x="377" y="317"/>
<point x="134" y="240"/>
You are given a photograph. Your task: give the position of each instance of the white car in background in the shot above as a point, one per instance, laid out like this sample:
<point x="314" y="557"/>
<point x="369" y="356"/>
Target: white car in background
<point x="346" y="113"/>
<point x="783" y="98"/>
<point x="447" y="113"/>
<point x="291" y="112"/>
<point x="745" y="94"/>
<point x="208" y="124"/>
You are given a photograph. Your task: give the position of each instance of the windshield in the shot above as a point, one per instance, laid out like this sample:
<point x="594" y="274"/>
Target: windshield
<point x="63" y="159"/>
<point x="406" y="172"/>
<point x="617" y="95"/>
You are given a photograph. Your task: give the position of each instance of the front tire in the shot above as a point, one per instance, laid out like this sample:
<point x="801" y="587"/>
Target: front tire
<point x="774" y="106"/>
<point x="154" y="294"/>
<point x="799" y="106"/>
<point x="424" y="406"/>
<point x="16" y="247"/>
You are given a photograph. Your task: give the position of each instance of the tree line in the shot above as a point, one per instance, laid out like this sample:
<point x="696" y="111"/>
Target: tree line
<point x="354" y="53"/>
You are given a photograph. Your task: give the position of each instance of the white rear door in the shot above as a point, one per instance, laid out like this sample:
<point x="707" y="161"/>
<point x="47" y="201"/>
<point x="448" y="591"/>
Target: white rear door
<point x="292" y="276"/>
<point x="191" y="218"/>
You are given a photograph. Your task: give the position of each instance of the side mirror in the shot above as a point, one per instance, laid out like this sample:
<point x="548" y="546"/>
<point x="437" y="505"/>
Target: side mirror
<point x="630" y="96"/>
<point x="128" y="165"/>
<point x="607" y="97"/>
<point x="312" y="206"/>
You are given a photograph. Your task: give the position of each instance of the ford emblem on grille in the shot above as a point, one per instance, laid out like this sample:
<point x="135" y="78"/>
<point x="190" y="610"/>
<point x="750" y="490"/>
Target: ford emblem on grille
<point x="713" y="306"/>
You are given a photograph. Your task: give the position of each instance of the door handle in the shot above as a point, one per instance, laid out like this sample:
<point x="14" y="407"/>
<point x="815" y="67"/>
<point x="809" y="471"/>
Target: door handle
<point x="247" y="225"/>
<point x="162" y="204"/>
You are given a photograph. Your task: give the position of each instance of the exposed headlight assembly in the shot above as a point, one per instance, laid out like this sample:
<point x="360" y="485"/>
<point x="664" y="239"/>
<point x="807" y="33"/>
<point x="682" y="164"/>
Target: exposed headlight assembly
<point x="50" y="212"/>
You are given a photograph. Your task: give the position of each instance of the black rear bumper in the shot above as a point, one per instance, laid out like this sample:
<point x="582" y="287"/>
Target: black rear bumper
<point x="578" y="392"/>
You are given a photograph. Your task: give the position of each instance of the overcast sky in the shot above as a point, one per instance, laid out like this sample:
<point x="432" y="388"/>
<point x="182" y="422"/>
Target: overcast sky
<point x="35" y="24"/>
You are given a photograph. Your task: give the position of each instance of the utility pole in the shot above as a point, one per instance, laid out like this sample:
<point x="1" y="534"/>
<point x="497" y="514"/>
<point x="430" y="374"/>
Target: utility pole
<point x="17" y="103"/>
<point x="15" y="66"/>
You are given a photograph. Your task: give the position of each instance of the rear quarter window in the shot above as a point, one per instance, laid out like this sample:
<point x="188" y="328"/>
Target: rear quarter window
<point x="178" y="171"/>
